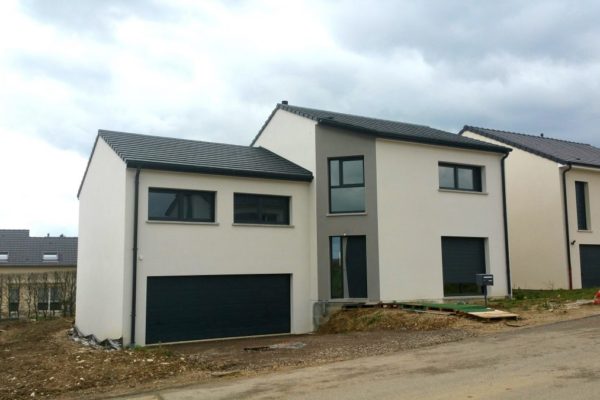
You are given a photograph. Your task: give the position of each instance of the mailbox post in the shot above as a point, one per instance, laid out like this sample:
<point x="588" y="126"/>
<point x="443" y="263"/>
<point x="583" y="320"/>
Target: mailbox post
<point x="484" y="280"/>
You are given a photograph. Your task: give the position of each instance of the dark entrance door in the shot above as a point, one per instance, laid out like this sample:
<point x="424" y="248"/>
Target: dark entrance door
<point x="181" y="308"/>
<point x="348" y="263"/>
<point x="590" y="265"/>
<point x="462" y="258"/>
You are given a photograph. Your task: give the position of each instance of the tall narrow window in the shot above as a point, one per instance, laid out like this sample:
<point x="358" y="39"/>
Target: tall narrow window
<point x="581" y="200"/>
<point x="13" y="301"/>
<point x="348" y="267"/>
<point x="181" y="205"/>
<point x="346" y="185"/>
<point x="460" y="177"/>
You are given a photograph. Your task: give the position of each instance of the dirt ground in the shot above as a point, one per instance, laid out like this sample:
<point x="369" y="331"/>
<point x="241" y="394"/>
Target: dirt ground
<point x="39" y="359"/>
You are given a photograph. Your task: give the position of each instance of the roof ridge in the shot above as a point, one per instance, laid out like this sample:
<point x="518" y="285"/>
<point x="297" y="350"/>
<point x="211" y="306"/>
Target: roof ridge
<point x="284" y="106"/>
<point x="100" y="131"/>
<point x="527" y="134"/>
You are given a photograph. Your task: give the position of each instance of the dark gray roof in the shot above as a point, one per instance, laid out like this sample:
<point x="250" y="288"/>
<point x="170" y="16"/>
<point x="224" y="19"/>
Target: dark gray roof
<point x="561" y="151"/>
<point x="386" y="129"/>
<point x="24" y="250"/>
<point x="165" y="153"/>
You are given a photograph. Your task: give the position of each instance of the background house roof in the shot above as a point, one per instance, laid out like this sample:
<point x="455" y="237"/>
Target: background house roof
<point x="166" y="153"/>
<point x="387" y="129"/>
<point x="24" y="250"/>
<point x="561" y="151"/>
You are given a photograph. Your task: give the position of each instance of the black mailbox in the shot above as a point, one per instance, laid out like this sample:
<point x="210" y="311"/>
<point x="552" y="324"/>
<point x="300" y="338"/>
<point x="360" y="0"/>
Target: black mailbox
<point x="484" y="279"/>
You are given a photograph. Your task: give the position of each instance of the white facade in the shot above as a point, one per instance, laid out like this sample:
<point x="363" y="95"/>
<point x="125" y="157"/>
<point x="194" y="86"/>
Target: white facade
<point x="178" y="248"/>
<point x="536" y="220"/>
<point x="414" y="214"/>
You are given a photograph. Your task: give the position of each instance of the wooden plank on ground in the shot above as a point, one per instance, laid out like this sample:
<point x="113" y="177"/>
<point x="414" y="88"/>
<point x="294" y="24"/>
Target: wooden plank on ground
<point x="494" y="314"/>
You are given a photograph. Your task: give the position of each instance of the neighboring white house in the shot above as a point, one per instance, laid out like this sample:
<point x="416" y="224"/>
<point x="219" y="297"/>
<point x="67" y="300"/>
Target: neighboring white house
<point x="551" y="185"/>
<point x="227" y="241"/>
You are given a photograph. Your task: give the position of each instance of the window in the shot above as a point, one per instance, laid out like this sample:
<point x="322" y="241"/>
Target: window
<point x="48" y="298"/>
<point x="3" y="256"/>
<point x="181" y="205"/>
<point x="346" y="185"/>
<point x="49" y="257"/>
<point x="581" y="201"/>
<point x="460" y="177"/>
<point x="13" y="301"/>
<point x="261" y="209"/>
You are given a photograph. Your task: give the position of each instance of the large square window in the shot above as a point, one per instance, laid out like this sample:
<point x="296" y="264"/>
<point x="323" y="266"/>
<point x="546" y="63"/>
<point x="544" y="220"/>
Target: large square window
<point x="460" y="177"/>
<point x="261" y="209"/>
<point x="346" y="185"/>
<point x="181" y="205"/>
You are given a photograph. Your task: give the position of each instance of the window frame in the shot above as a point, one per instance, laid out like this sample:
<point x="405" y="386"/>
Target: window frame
<point x="477" y="176"/>
<point x="582" y="195"/>
<point x="341" y="185"/>
<point x="180" y="193"/>
<point x="259" y="221"/>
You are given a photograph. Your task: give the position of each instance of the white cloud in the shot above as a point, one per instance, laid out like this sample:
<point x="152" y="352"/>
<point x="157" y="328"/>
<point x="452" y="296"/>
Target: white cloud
<point x="39" y="185"/>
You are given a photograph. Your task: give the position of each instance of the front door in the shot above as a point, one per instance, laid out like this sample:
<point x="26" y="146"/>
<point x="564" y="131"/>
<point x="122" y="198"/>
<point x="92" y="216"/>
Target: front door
<point x="348" y="263"/>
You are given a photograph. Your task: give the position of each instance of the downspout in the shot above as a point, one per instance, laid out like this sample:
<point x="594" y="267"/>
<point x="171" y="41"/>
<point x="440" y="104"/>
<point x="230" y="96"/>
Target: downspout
<point x="566" y="213"/>
<point x="505" y="220"/>
<point x="135" y="255"/>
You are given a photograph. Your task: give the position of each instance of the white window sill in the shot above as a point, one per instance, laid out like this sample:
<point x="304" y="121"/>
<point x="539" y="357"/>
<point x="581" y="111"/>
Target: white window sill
<point x="585" y="231"/>
<point x="263" y="225"/>
<point x="462" y="191"/>
<point x="346" y="214"/>
<point x="181" y="222"/>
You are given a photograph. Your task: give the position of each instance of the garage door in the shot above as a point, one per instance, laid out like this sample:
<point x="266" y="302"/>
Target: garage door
<point x="590" y="265"/>
<point x="183" y="308"/>
<point x="462" y="258"/>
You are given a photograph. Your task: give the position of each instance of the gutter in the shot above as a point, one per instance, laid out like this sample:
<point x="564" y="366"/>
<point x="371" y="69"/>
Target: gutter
<point x="505" y="220"/>
<point x="566" y="213"/>
<point x="135" y="255"/>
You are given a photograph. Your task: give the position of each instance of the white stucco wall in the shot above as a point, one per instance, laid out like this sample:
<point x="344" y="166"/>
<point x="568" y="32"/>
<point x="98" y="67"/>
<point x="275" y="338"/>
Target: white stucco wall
<point x="170" y="248"/>
<point x="101" y="246"/>
<point x="291" y="136"/>
<point x="414" y="215"/>
<point x="294" y="137"/>
<point x="537" y="243"/>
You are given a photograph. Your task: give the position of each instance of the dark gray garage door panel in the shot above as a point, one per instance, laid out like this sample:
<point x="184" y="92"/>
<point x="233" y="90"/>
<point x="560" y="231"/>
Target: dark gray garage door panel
<point x="183" y="308"/>
<point x="462" y="258"/>
<point x="590" y="265"/>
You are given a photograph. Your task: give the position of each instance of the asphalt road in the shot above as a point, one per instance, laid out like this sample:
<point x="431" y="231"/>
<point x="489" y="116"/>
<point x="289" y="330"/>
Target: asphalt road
<point x="558" y="361"/>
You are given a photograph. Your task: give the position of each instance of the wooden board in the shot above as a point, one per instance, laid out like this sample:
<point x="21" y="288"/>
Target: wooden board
<point x="494" y="314"/>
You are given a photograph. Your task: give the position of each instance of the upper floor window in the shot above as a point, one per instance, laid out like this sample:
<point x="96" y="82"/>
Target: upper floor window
<point x="181" y="205"/>
<point x="460" y="177"/>
<point x="3" y="256"/>
<point x="346" y="185"/>
<point x="581" y="201"/>
<point x="261" y="209"/>
<point x="52" y="256"/>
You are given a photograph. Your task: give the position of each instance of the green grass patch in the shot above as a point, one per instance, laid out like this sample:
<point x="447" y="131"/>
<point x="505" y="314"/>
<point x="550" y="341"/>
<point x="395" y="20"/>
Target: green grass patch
<point x="527" y="299"/>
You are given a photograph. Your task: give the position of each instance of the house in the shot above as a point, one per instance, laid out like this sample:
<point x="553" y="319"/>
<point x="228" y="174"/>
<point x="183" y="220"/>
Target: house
<point x="553" y="192"/>
<point x="37" y="274"/>
<point x="206" y="240"/>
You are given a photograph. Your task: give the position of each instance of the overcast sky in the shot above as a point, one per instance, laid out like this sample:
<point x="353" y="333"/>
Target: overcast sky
<point x="214" y="71"/>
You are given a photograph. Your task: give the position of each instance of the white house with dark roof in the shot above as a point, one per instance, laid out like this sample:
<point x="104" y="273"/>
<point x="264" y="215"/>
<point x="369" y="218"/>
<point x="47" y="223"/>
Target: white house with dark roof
<point x="553" y="193"/>
<point x="37" y="274"/>
<point x="205" y="240"/>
